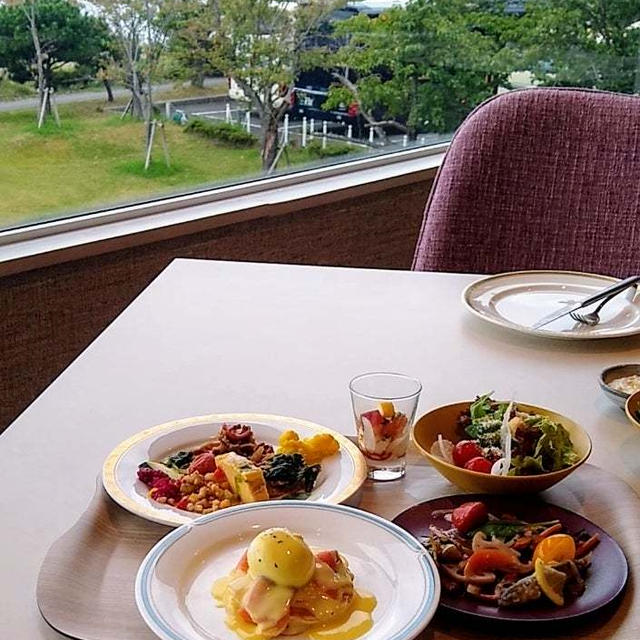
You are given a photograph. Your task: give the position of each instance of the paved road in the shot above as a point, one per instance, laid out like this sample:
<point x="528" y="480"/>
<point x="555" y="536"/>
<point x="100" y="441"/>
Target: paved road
<point x="87" y="96"/>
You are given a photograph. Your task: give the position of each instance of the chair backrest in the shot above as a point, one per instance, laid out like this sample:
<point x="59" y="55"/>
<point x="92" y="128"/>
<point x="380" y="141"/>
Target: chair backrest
<point x="539" y="179"/>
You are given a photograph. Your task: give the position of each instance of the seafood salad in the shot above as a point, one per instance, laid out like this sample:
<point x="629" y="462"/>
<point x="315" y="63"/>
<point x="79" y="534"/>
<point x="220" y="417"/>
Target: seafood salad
<point x="501" y="560"/>
<point x="281" y="587"/>
<point x="234" y="468"/>
<point x="503" y="439"/>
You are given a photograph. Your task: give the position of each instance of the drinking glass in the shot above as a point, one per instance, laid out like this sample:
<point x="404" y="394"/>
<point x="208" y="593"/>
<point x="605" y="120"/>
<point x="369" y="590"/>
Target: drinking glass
<point x="384" y="406"/>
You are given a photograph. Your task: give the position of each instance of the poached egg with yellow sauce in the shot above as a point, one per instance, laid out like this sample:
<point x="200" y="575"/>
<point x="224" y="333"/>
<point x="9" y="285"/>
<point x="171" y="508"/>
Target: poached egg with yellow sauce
<point x="282" y="557"/>
<point x="281" y="587"/>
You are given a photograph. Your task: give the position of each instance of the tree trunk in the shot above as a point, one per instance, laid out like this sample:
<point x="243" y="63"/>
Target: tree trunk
<point x="413" y="119"/>
<point x="30" y="11"/>
<point x="107" y="85"/>
<point x="269" y="139"/>
<point x="149" y="92"/>
<point x="198" y="79"/>
<point x="136" y="95"/>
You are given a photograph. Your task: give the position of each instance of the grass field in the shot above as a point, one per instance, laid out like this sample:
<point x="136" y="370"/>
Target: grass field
<point x="95" y="159"/>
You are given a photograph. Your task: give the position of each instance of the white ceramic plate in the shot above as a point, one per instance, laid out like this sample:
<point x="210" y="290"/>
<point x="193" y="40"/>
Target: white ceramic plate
<point x="518" y="300"/>
<point x="174" y="581"/>
<point x="340" y="478"/>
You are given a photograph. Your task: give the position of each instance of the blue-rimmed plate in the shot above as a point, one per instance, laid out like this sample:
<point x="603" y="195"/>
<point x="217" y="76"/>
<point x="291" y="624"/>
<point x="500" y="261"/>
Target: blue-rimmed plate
<point x="173" y="585"/>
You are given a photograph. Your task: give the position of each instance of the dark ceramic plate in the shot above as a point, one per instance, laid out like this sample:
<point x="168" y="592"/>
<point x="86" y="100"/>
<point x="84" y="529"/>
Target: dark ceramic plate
<point x="605" y="581"/>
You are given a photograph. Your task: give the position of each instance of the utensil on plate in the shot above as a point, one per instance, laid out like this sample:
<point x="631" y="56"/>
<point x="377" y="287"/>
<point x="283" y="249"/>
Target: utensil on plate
<point x="517" y="299"/>
<point x="608" y="292"/>
<point x="593" y="318"/>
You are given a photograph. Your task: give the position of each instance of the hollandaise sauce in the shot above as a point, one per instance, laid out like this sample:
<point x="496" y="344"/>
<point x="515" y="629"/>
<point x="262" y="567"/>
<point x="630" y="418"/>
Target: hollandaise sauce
<point x="352" y="625"/>
<point x="355" y="624"/>
<point x="280" y="585"/>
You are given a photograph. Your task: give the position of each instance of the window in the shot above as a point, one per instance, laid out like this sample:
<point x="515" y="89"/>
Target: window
<point x="111" y="102"/>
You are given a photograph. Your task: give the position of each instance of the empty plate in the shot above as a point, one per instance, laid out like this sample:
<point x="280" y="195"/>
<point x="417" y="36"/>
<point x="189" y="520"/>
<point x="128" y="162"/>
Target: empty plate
<point x="518" y="300"/>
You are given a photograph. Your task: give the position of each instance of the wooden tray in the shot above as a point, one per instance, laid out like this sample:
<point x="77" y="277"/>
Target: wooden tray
<point x="85" y="586"/>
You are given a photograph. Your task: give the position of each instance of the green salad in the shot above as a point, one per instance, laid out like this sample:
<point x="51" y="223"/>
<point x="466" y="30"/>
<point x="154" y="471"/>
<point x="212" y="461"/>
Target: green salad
<point x="503" y="439"/>
<point x="538" y="444"/>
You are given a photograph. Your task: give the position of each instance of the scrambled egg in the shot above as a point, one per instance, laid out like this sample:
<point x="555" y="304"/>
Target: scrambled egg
<point x="313" y="449"/>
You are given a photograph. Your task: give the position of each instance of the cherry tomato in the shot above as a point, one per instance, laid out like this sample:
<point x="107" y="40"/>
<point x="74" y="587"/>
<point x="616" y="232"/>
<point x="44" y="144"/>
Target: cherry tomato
<point x="478" y="464"/>
<point x="469" y="515"/>
<point x="555" y="548"/>
<point x="464" y="451"/>
<point x="485" y="560"/>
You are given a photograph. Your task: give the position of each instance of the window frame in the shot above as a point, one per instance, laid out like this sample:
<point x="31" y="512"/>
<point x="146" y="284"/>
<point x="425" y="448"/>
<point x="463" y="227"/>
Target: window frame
<point x="58" y="240"/>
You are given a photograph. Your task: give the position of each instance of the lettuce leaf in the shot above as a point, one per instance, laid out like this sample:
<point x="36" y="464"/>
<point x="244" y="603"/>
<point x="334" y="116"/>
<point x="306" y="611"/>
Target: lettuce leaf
<point x="554" y="446"/>
<point x="526" y="466"/>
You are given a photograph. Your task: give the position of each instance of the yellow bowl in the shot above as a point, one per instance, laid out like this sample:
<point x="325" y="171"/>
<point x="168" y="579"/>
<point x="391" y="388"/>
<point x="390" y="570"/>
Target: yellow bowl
<point x="632" y="409"/>
<point x="443" y="420"/>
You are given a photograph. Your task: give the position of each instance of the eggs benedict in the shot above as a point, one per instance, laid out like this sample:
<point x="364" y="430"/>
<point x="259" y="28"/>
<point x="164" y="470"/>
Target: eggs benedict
<point x="280" y="587"/>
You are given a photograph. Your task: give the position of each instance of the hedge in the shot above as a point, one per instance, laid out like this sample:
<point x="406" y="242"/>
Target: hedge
<point x="226" y="132"/>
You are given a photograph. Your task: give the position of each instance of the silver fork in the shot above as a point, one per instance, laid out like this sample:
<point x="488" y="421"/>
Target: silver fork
<point x="593" y="318"/>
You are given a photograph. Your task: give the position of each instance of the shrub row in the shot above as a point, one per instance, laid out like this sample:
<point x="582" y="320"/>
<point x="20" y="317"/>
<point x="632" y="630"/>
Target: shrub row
<point x="226" y="132"/>
<point x="332" y="149"/>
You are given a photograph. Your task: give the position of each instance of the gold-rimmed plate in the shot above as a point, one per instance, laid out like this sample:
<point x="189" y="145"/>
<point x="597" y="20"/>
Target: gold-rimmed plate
<point x="341" y="476"/>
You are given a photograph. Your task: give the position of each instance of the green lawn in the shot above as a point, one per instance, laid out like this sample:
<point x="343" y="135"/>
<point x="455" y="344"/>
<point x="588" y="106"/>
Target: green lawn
<point x="95" y="159"/>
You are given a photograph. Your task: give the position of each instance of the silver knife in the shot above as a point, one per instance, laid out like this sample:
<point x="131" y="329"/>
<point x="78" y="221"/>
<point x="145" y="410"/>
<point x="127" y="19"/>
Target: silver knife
<point x="614" y="289"/>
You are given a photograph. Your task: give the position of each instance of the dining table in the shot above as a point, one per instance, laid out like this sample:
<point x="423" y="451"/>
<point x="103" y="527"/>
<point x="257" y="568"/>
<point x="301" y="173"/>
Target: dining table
<point x="222" y="337"/>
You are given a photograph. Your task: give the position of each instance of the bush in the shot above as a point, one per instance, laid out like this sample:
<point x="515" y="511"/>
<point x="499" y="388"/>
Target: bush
<point x="226" y="132"/>
<point x="9" y="90"/>
<point x="332" y="149"/>
<point x="71" y="76"/>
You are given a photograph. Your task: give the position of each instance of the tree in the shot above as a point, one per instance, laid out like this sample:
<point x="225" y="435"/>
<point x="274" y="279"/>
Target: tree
<point x="45" y="34"/>
<point x="142" y="29"/>
<point x="262" y="45"/>
<point x="420" y="67"/>
<point x="583" y="43"/>
<point x="189" y="47"/>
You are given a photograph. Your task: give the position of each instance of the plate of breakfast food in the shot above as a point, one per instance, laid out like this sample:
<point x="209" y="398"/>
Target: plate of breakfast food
<point x="181" y="470"/>
<point x="504" y="558"/>
<point x="288" y="569"/>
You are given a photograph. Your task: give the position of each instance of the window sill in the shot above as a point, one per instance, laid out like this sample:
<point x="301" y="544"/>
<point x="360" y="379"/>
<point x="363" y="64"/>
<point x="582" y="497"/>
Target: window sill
<point x="81" y="236"/>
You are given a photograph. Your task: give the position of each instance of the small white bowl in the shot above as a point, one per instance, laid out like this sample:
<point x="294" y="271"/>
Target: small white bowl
<point x="173" y="585"/>
<point x="608" y="375"/>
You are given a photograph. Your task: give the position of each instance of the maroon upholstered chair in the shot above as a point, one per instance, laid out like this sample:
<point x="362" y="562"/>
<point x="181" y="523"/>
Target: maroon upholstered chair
<point x="539" y="179"/>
